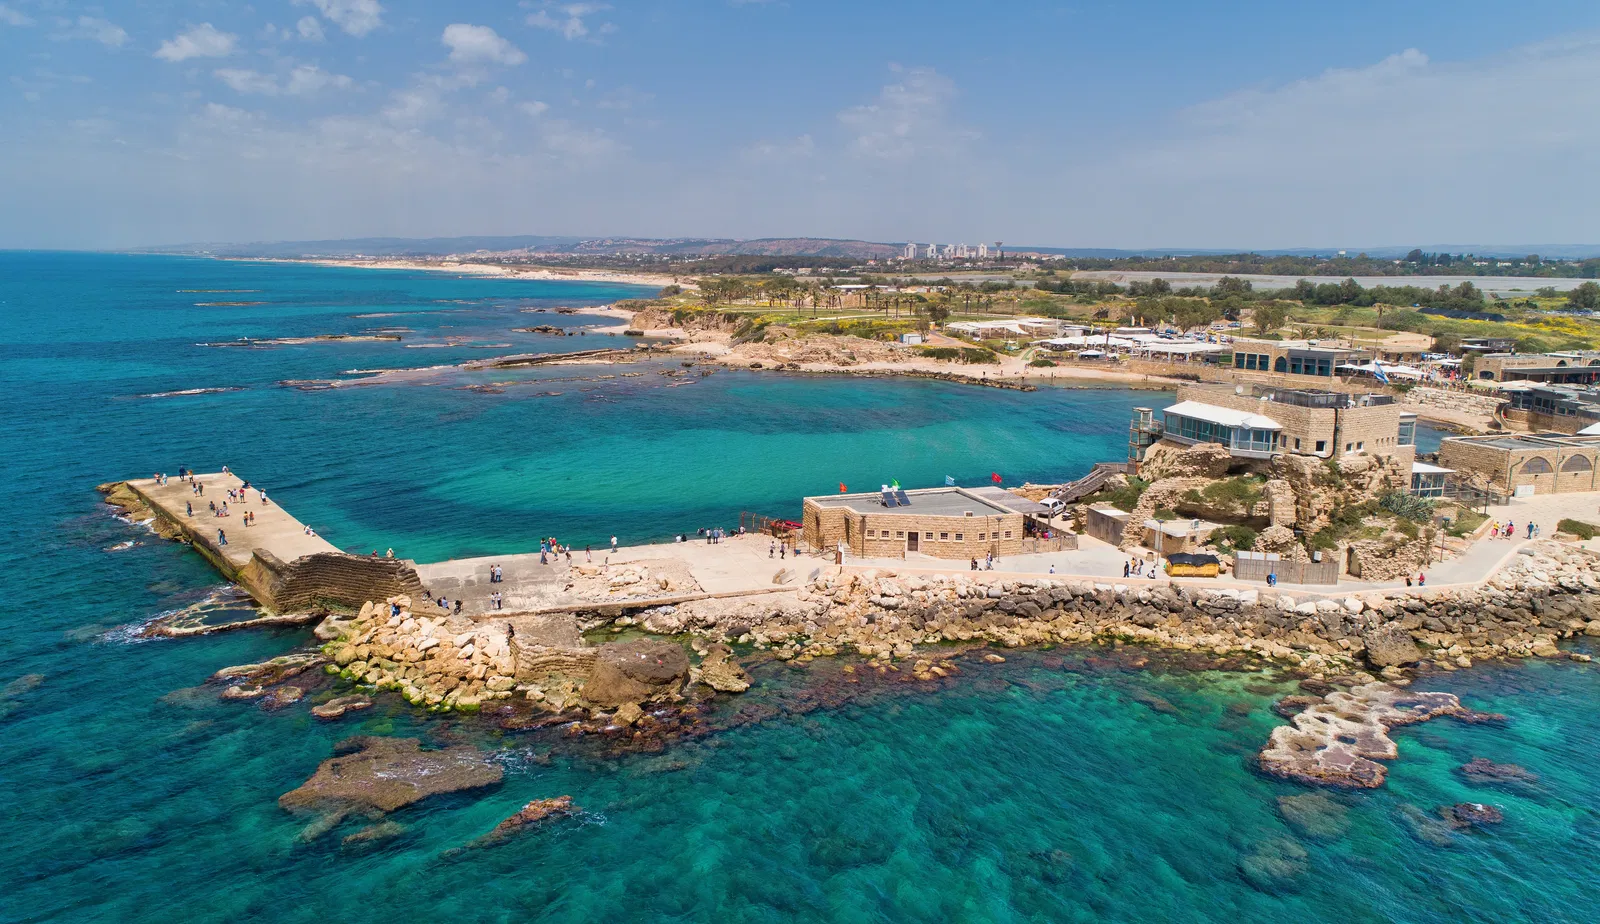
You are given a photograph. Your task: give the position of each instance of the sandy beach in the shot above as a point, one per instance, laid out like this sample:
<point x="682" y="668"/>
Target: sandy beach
<point x="542" y="273"/>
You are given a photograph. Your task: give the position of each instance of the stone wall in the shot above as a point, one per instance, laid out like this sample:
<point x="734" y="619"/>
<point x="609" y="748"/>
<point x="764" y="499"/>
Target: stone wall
<point x="1570" y="469"/>
<point x="1446" y="399"/>
<point x="329" y="580"/>
<point x="1535" y="601"/>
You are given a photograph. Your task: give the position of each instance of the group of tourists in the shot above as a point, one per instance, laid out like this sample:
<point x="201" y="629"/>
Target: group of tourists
<point x="781" y="549"/>
<point x="1422" y="580"/>
<point x="988" y="563"/>
<point x="1133" y="567"/>
<point x="1508" y="529"/>
<point x="495" y="599"/>
<point x="495" y="575"/>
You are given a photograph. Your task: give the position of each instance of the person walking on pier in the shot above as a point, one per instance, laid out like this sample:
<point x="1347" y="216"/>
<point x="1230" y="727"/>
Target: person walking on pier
<point x="496" y="598"/>
<point x="588" y="553"/>
<point x="188" y="508"/>
<point x="222" y="538"/>
<point x="613" y="543"/>
<point x="772" y="549"/>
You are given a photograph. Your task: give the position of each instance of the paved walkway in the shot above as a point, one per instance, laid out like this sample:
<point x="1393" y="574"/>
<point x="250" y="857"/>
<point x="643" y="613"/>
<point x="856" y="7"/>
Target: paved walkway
<point x="275" y="529"/>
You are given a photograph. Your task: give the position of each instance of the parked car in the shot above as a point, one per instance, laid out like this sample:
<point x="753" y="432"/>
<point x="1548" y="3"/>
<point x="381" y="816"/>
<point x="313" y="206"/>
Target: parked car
<point x="1053" y="505"/>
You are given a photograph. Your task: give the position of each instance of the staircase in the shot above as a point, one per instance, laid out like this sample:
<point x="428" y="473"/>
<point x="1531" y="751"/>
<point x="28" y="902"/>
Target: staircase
<point x="1090" y="483"/>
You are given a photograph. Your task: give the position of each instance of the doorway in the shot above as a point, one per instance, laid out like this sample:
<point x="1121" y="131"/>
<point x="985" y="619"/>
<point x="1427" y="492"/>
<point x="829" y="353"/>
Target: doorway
<point x="911" y="542"/>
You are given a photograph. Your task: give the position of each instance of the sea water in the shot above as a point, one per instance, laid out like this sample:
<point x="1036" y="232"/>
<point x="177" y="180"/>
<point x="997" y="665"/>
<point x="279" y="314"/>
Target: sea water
<point x="1061" y="785"/>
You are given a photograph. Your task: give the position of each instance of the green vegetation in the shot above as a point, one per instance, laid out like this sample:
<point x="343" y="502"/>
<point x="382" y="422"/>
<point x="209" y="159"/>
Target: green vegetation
<point x="959" y="354"/>
<point x="1465" y="522"/>
<point x="1578" y="528"/>
<point x="1242" y="493"/>
<point x="1123" y="498"/>
<point x="1042" y="363"/>
<point x="1233" y="538"/>
<point x="1407" y="506"/>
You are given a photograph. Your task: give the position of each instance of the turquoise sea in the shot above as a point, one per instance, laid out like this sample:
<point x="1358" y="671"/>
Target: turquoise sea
<point x="1060" y="785"/>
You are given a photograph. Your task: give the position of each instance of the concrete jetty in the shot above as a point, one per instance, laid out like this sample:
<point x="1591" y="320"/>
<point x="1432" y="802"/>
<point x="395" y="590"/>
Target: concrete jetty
<point x="276" y="560"/>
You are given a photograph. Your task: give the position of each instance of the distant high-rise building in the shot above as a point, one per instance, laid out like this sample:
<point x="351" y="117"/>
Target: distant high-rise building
<point x="949" y="251"/>
<point x="963" y="252"/>
<point x="983" y="251"/>
<point x="911" y="251"/>
<point x="932" y="252"/>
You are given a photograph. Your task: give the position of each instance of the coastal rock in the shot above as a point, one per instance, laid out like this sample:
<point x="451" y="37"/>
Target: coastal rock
<point x="1291" y="706"/>
<point x="1339" y="741"/>
<point x="244" y="691"/>
<point x="1471" y="814"/>
<point x="531" y="816"/>
<point x="282" y="697"/>
<point x="1483" y="770"/>
<point x="636" y="672"/>
<point x="267" y="673"/>
<point x="1425" y="827"/>
<point x="719" y="671"/>
<point x="1315" y="814"/>
<point x="370" y="774"/>
<point x="1390" y="645"/>
<point x="1274" y="865"/>
<point x="339" y="705"/>
<point x="373" y="835"/>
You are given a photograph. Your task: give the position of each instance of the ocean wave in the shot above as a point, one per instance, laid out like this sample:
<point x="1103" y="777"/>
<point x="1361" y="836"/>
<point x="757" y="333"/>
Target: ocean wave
<point x="185" y="392"/>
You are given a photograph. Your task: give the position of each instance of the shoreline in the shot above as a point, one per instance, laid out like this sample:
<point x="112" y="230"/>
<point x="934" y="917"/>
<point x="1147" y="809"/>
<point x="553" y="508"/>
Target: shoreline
<point x="464" y="267"/>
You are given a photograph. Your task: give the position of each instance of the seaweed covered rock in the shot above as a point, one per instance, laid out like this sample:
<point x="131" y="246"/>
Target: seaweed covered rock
<point x="377" y="775"/>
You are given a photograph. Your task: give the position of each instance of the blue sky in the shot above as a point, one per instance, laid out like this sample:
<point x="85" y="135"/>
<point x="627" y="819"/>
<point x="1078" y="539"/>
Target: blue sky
<point x="1119" y="124"/>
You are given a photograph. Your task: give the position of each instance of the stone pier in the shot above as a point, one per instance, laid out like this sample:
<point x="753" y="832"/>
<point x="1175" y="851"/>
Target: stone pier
<point x="285" y="568"/>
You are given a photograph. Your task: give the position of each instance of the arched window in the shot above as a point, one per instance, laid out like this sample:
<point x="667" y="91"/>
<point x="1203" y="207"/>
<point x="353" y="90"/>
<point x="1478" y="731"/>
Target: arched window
<point x="1577" y="464"/>
<point x="1486" y="374"/>
<point x="1538" y="465"/>
<point x="1282" y="365"/>
<point x="1561" y="364"/>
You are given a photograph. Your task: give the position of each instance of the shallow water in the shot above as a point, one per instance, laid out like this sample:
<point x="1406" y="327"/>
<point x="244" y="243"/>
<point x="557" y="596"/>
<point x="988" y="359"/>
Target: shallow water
<point x="1047" y="788"/>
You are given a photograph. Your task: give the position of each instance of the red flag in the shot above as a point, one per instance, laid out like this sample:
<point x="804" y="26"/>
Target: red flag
<point x="994" y="477"/>
<point x="842" y="489"/>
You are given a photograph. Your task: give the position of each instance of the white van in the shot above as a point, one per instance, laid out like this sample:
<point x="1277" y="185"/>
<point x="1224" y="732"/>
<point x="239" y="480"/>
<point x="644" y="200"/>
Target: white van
<point x="1053" y="506"/>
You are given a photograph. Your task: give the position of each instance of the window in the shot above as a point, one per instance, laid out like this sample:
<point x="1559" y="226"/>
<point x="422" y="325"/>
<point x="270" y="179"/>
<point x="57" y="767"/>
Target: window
<point x="1322" y="445"/>
<point x="1349" y="446"/>
<point x="927" y="535"/>
<point x="944" y="537"/>
<point x="1008" y="534"/>
<point x="1577" y="464"/>
<point x="1408" y="432"/>
<point x="1538" y="465"/>
<point x="982" y="536"/>
<point x="899" y="534"/>
<point x="872" y="534"/>
<point x="959" y="537"/>
<point x="1297" y="443"/>
<point x="1361" y="445"/>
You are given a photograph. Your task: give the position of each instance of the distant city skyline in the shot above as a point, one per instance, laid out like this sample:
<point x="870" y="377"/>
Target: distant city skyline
<point x="1163" y="126"/>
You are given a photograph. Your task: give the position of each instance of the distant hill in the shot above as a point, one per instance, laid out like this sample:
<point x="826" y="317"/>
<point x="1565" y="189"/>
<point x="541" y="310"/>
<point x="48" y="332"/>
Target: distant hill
<point x="442" y="246"/>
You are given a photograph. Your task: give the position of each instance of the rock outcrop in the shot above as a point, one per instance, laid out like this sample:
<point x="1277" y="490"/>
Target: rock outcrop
<point x="531" y="816"/>
<point x="647" y="670"/>
<point x="1339" y="741"/>
<point x="378" y="775"/>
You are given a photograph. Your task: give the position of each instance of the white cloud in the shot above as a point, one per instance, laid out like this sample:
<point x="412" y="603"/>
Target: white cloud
<point x="357" y="17"/>
<point x="908" y="118"/>
<point x="470" y="44"/>
<point x="100" y="30"/>
<point x="246" y="81"/>
<point x="202" y="41"/>
<point x="568" y="19"/>
<point x="13" y="17"/>
<point x="302" y="80"/>
<point x="534" y="108"/>
<point x="310" y="28"/>
<point x="787" y="149"/>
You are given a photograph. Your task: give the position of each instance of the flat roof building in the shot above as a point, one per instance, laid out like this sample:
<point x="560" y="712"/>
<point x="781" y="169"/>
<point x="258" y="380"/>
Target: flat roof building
<point x="1300" y="421"/>
<point x="955" y="523"/>
<point x="1532" y="463"/>
<point x="1293" y="357"/>
<point x="1580" y="367"/>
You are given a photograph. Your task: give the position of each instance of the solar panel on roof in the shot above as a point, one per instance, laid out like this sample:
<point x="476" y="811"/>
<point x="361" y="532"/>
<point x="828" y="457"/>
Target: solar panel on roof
<point x="888" y="499"/>
<point x="900" y="496"/>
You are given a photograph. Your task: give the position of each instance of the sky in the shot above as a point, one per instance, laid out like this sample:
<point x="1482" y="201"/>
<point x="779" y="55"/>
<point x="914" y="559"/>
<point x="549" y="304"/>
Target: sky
<point x="1130" y="124"/>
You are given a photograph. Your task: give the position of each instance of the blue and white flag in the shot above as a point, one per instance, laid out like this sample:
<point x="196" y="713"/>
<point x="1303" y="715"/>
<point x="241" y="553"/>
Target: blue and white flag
<point x="1378" y="373"/>
<point x="949" y="482"/>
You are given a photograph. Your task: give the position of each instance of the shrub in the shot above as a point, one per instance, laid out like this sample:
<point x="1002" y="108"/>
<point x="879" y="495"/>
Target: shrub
<point x="1042" y="363"/>
<point x="1578" y="528"/>
<point x="1230" y="538"/>
<point x="1123" y="498"/>
<point x="1407" y="506"/>
<point x="959" y="354"/>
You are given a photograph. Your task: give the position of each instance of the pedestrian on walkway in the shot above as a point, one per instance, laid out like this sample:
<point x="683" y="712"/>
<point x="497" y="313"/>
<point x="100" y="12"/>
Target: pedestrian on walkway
<point x="588" y="553"/>
<point x="772" y="549"/>
<point x="613" y="543"/>
<point x="458" y="608"/>
<point x="222" y="538"/>
<point x="389" y="553"/>
<point x="188" y="509"/>
<point x="1125" y="568"/>
<point x="1422" y="579"/>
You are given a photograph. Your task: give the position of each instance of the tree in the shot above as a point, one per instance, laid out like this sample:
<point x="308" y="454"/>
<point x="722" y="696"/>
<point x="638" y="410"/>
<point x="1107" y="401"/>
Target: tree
<point x="1585" y="297"/>
<point x="1415" y="256"/>
<point x="1269" y="316"/>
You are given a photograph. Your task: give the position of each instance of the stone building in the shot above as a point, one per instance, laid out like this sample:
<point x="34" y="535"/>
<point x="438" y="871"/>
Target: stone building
<point x="1300" y="421"/>
<point x="1580" y="367"/>
<point x="1562" y="408"/>
<point x="954" y="523"/>
<point x="1537" y="463"/>
<point x="1293" y="357"/>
